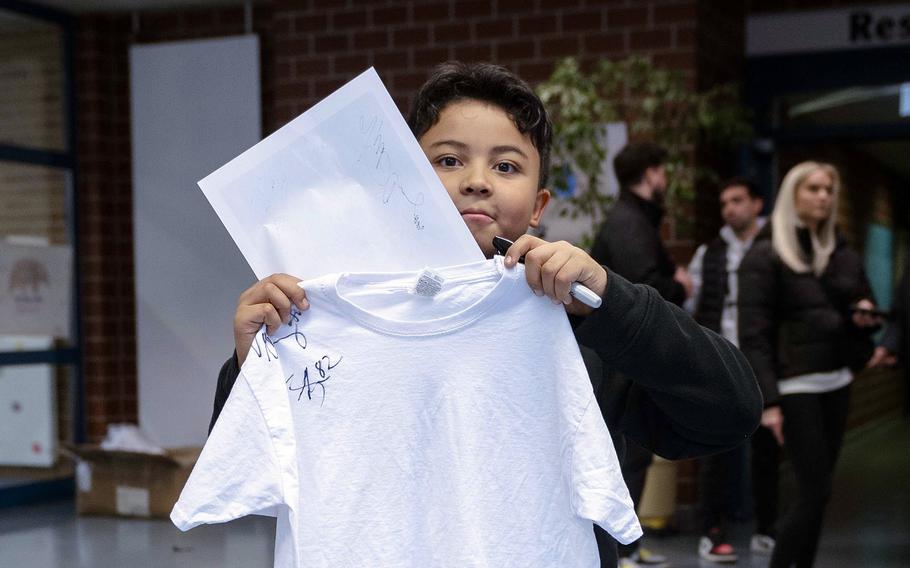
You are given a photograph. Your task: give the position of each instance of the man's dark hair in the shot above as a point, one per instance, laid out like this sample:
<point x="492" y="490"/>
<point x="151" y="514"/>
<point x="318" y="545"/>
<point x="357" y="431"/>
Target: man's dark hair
<point x="741" y="181"/>
<point x="632" y="161"/>
<point x="455" y="81"/>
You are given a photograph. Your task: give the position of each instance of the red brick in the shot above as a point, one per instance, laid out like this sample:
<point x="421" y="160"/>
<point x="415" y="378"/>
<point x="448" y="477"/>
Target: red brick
<point x="535" y="72"/>
<point x="351" y="63"/>
<point x="324" y="87"/>
<point x="685" y="36"/>
<point x="559" y="47"/>
<point x="430" y="57"/>
<point x="449" y="33"/>
<point x="604" y="42"/>
<point x="408" y="82"/>
<point x="284" y="70"/>
<point x="348" y="20"/>
<point x="501" y="28"/>
<point x="391" y="59"/>
<point x="469" y="9"/>
<point x="474" y="53"/>
<point x="434" y="12"/>
<point x="293" y="91"/>
<point x="330" y="43"/>
<point x="680" y="61"/>
<point x="282" y="26"/>
<point x="535" y="25"/>
<point x="627" y="17"/>
<point x="518" y="49"/>
<point x="294" y="45"/>
<point x="371" y="40"/>
<point x="649" y="39"/>
<point x="390" y="15"/>
<point x="415" y="36"/>
<point x="514" y="7"/>
<point x="311" y="23"/>
<point x="675" y="13"/>
<point x="582" y="21"/>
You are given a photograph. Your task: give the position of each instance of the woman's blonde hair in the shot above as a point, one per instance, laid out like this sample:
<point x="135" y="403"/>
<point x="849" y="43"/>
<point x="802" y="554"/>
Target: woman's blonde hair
<point x="784" y="221"/>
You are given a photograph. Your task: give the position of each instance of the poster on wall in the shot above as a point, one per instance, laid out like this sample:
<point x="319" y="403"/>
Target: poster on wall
<point x="35" y="289"/>
<point x="28" y="402"/>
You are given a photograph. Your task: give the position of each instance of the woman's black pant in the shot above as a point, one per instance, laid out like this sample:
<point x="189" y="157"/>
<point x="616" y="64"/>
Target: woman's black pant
<point x="813" y="431"/>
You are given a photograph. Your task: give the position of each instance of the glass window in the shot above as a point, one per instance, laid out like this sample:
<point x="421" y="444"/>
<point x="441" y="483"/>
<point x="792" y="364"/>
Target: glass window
<point x="31" y="72"/>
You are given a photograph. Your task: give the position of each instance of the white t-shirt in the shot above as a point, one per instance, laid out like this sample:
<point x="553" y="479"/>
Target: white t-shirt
<point x="394" y="425"/>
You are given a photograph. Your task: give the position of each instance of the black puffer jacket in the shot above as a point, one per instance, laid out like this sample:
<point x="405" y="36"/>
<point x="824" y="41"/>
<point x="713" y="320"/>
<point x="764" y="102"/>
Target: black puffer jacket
<point x="797" y="323"/>
<point x="629" y="243"/>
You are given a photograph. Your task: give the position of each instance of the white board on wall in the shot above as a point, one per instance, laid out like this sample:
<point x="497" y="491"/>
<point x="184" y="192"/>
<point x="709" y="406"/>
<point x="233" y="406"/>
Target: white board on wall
<point x="195" y="105"/>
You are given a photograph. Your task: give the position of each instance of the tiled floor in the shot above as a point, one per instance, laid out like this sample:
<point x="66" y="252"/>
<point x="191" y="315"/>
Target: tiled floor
<point x="868" y="525"/>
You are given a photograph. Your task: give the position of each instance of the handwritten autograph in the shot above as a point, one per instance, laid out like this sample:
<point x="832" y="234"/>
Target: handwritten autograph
<point x="388" y="180"/>
<point x="307" y="385"/>
<point x="263" y="344"/>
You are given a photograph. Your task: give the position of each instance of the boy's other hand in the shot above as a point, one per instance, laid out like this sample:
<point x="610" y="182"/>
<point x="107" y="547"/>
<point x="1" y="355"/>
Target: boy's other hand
<point x="551" y="268"/>
<point x="265" y="302"/>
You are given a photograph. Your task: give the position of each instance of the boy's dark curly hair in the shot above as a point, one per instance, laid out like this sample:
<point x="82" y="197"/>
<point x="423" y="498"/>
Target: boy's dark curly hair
<point x="454" y="81"/>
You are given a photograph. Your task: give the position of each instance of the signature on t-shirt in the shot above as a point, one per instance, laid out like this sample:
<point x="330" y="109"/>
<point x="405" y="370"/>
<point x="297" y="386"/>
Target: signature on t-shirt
<point x="307" y="385"/>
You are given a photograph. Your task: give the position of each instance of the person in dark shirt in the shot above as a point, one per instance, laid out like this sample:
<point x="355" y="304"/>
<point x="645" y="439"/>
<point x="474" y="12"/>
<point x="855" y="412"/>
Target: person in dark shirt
<point x="661" y="380"/>
<point x="629" y="243"/>
<point x="714" y="272"/>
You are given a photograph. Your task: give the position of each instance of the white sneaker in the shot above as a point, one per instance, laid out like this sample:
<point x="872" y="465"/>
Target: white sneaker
<point x="628" y="563"/>
<point x="762" y="544"/>
<point x="721" y="553"/>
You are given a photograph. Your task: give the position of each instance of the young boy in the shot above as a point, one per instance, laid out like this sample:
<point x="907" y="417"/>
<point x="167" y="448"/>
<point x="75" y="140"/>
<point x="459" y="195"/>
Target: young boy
<point x="661" y="379"/>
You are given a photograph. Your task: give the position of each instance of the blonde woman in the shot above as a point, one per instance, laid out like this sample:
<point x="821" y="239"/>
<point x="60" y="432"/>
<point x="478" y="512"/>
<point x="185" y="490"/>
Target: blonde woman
<point x="802" y="298"/>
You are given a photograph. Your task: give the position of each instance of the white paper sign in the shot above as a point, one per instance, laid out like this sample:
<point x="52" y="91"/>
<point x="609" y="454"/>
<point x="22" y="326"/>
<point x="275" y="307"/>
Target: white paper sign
<point x="344" y="187"/>
<point x="28" y="407"/>
<point x="35" y="289"/>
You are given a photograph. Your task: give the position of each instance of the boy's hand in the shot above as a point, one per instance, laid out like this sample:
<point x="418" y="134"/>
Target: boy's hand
<point x="552" y="267"/>
<point x="265" y="302"/>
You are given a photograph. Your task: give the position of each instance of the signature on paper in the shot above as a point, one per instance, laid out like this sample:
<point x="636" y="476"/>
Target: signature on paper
<point x="387" y="178"/>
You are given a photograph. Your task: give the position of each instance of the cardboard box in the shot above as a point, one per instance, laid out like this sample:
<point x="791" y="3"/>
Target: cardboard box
<point x="130" y="484"/>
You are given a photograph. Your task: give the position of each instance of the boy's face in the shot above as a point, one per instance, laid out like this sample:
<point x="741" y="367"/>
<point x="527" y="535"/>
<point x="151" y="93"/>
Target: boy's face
<point x="489" y="168"/>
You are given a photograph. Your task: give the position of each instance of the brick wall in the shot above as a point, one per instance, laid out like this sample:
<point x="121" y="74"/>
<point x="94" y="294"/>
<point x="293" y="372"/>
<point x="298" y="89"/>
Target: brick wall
<point x="105" y="221"/>
<point x="306" y="54"/>
<point x="318" y="49"/>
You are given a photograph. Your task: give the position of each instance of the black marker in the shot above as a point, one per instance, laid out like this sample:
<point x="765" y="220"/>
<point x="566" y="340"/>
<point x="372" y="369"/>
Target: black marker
<point x="579" y="291"/>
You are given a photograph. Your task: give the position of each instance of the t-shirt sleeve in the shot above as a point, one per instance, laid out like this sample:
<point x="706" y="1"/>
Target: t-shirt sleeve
<point x="238" y="472"/>
<point x="598" y="490"/>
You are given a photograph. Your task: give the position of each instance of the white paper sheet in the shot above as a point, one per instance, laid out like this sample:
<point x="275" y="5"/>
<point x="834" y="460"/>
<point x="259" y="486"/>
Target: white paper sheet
<point x="344" y="187"/>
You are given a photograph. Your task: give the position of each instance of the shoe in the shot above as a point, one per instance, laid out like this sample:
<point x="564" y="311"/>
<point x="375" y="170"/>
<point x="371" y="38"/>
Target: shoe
<point x="628" y="563"/>
<point x="715" y="550"/>
<point x="644" y="557"/>
<point x="762" y="544"/>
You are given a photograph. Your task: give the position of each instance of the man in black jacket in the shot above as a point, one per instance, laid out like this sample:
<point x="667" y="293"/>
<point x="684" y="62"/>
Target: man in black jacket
<point x="629" y="239"/>
<point x="713" y="270"/>
<point x="629" y="242"/>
